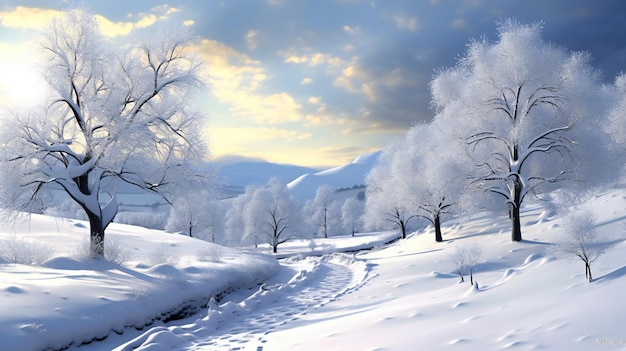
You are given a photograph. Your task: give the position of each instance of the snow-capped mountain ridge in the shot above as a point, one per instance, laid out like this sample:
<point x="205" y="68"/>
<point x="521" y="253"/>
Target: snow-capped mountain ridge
<point x="341" y="177"/>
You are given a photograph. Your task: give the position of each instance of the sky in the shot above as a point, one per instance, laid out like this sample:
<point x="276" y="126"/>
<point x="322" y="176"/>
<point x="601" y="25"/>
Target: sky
<point x="315" y="82"/>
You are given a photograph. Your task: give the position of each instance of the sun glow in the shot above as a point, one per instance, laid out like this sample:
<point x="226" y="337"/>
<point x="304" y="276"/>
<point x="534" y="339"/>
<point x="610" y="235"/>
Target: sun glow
<point x="21" y="83"/>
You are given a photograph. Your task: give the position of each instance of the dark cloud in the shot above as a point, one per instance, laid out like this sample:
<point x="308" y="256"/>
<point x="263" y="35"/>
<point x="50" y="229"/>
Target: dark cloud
<point x="446" y="27"/>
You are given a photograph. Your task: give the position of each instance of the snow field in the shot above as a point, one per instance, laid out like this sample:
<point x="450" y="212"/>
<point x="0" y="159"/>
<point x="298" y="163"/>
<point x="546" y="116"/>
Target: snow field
<point x="307" y="284"/>
<point x="403" y="296"/>
<point x="526" y="299"/>
<point x="69" y="300"/>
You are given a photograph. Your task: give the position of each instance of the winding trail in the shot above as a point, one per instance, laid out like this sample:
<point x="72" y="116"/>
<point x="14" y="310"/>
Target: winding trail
<point x="306" y="285"/>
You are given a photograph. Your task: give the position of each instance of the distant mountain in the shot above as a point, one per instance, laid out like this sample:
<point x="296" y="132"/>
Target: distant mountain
<point x="342" y="177"/>
<point x="242" y="174"/>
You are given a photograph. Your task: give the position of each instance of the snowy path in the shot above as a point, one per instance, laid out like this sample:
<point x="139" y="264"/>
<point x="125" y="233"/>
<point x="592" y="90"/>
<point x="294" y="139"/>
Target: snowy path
<point x="305" y="285"/>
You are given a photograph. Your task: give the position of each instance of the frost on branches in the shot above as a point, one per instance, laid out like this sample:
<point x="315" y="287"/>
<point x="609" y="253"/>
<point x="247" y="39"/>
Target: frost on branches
<point x="531" y="113"/>
<point x="115" y="113"/>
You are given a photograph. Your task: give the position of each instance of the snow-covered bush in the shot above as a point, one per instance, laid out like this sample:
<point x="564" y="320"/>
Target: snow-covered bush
<point x="465" y="258"/>
<point x="115" y="251"/>
<point x="579" y="240"/>
<point x="14" y="249"/>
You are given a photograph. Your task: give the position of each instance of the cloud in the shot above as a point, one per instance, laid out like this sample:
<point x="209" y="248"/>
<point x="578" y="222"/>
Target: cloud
<point x="460" y="23"/>
<point x="306" y="81"/>
<point x="236" y="79"/>
<point x="314" y="100"/>
<point x="37" y="18"/>
<point x="113" y="29"/>
<point x="315" y="59"/>
<point x="188" y="23"/>
<point x="275" y="2"/>
<point x="352" y="30"/>
<point x="251" y="39"/>
<point x="404" y="22"/>
<point x="27" y="17"/>
<point x="159" y="13"/>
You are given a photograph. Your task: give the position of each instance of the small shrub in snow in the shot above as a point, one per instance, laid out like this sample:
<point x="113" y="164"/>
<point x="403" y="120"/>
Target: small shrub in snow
<point x="14" y="249"/>
<point x="115" y="251"/>
<point x="465" y="258"/>
<point x="82" y="252"/>
<point x="162" y="254"/>
<point x="579" y="240"/>
<point x="212" y="253"/>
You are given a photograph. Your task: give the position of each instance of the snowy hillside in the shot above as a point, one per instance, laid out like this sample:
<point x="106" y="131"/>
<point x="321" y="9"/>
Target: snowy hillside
<point x="341" y="177"/>
<point x="242" y="174"/>
<point x="395" y="298"/>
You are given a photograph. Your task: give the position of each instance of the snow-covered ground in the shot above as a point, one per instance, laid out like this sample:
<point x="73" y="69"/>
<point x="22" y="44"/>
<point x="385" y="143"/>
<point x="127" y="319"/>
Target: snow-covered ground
<point x="404" y="296"/>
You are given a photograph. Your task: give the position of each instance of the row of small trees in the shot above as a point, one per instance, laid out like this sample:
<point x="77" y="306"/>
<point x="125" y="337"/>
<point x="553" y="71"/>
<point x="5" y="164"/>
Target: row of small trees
<point x="265" y="215"/>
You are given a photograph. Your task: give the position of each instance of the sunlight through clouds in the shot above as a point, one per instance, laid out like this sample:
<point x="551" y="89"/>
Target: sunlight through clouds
<point x="235" y="79"/>
<point x="21" y="83"/>
<point x="27" y="17"/>
<point x="341" y="72"/>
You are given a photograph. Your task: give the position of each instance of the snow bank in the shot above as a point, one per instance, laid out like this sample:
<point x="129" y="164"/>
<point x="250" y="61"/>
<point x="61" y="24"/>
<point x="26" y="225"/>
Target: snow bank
<point x="70" y="300"/>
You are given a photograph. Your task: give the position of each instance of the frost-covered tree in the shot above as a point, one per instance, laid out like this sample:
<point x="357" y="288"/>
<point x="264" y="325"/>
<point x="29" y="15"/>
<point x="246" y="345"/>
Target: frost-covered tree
<point x="234" y="228"/>
<point x="352" y="214"/>
<point x="270" y="215"/>
<point x="579" y="240"/>
<point x="434" y="172"/>
<point x="323" y="212"/>
<point x="531" y="113"/>
<point x="465" y="258"/>
<point x="616" y="125"/>
<point x="196" y="214"/>
<point x="388" y="204"/>
<point x="115" y="113"/>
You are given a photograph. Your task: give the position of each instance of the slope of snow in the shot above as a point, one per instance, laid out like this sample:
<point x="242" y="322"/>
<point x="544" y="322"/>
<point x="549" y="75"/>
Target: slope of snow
<point x="242" y="174"/>
<point x="401" y="297"/>
<point x="69" y="300"/>
<point x="524" y="300"/>
<point x="341" y="177"/>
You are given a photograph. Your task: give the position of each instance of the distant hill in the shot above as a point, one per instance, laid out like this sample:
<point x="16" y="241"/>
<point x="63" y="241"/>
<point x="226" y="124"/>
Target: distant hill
<point x="351" y="175"/>
<point x="242" y="174"/>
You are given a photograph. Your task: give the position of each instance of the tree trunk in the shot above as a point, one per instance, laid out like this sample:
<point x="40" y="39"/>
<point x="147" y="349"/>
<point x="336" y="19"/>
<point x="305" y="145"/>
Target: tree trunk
<point x="516" y="228"/>
<point x="96" y="245"/>
<point x="325" y="223"/>
<point x="403" y="229"/>
<point x="437" y="224"/>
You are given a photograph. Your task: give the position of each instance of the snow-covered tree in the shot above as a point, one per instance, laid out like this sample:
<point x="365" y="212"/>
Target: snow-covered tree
<point x="616" y="125"/>
<point x="234" y="227"/>
<point x="270" y="215"/>
<point x="434" y="172"/>
<point x="579" y="240"/>
<point x="465" y="258"/>
<point x="196" y="214"/>
<point x="388" y="204"/>
<point x="323" y="212"/>
<point x="352" y="214"/>
<point x="531" y="113"/>
<point x="115" y="113"/>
